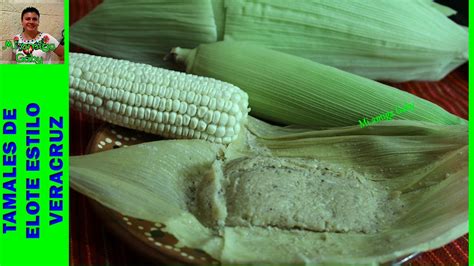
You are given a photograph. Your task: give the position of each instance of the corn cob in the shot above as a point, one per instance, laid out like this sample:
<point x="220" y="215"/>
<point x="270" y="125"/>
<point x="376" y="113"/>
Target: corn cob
<point x="289" y="90"/>
<point x="157" y="101"/>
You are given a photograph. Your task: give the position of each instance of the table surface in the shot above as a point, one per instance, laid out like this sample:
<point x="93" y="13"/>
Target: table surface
<point x="92" y="244"/>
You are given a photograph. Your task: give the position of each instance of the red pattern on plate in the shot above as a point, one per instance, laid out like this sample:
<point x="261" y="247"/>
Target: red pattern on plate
<point x="91" y="244"/>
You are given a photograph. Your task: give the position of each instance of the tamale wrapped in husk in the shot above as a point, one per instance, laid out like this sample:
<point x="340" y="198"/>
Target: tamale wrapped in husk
<point x="145" y="30"/>
<point x="382" y="40"/>
<point x="413" y="175"/>
<point x="378" y="39"/>
<point x="291" y="90"/>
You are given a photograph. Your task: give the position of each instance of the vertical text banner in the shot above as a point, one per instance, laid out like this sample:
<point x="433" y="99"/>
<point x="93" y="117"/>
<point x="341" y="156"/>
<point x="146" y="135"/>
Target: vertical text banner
<point x="34" y="111"/>
<point x="35" y="173"/>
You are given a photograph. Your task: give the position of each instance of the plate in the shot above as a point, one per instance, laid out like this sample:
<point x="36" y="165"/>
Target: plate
<point x="147" y="237"/>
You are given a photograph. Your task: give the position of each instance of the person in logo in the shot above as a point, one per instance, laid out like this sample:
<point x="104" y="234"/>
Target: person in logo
<point x="32" y="46"/>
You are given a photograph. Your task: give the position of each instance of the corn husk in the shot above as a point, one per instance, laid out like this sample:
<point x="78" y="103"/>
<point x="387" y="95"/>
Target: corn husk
<point x="381" y="40"/>
<point x="291" y="90"/>
<point x="426" y="162"/>
<point x="445" y="10"/>
<point x="387" y="40"/>
<point x="145" y="30"/>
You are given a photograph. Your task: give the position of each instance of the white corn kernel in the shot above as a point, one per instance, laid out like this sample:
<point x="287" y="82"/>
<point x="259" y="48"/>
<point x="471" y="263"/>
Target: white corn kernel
<point x="205" y="100"/>
<point x="183" y="107"/>
<point x="82" y="85"/>
<point x="235" y="109"/>
<point x="101" y="78"/>
<point x="179" y="120"/>
<point x="215" y="117"/>
<point x="135" y="87"/>
<point x="208" y="117"/>
<point x="82" y="96"/>
<point x="147" y="114"/>
<point x="156" y="102"/>
<point x="123" y="108"/>
<point x="166" y="117"/>
<point x="185" y="132"/>
<point x="172" y="130"/>
<point x="220" y="105"/>
<point x="120" y="94"/>
<point x="89" y="86"/>
<point x="144" y="100"/>
<point x="190" y="133"/>
<point x="192" y="109"/>
<point x="197" y="134"/>
<point x="141" y="113"/>
<point x="76" y="83"/>
<point x="150" y="100"/>
<point x="116" y="107"/>
<point x="108" y="93"/>
<point x="162" y="106"/>
<point x="201" y="125"/>
<point x="149" y="89"/>
<point x="186" y="120"/>
<point x="223" y="119"/>
<point x="168" y="104"/>
<point x="211" y="129"/>
<point x="175" y="105"/>
<point x="190" y="97"/>
<point x="108" y="81"/>
<point x="172" y="118"/>
<point x="129" y="111"/>
<point x="77" y="72"/>
<point x="114" y="83"/>
<point x="213" y="104"/>
<point x="161" y="127"/>
<point x="201" y="111"/>
<point x="220" y="131"/>
<point x="131" y="99"/>
<point x="134" y="112"/>
<point x="89" y="99"/>
<point x="138" y="100"/>
<point x="97" y="101"/>
<point x="126" y="94"/>
<point x="232" y="121"/>
<point x="194" y="123"/>
<point x="159" y="117"/>
<point x="148" y="126"/>
<point x="175" y="95"/>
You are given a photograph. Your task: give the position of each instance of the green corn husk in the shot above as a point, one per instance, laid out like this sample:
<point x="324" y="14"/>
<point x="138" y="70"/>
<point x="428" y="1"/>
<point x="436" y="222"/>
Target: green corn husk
<point x="287" y="89"/>
<point x="386" y="40"/>
<point x="445" y="10"/>
<point x="381" y="40"/>
<point x="425" y="163"/>
<point x="145" y="30"/>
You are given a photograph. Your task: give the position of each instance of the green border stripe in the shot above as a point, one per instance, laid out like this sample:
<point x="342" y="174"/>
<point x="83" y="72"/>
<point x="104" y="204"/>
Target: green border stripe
<point x="40" y="139"/>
